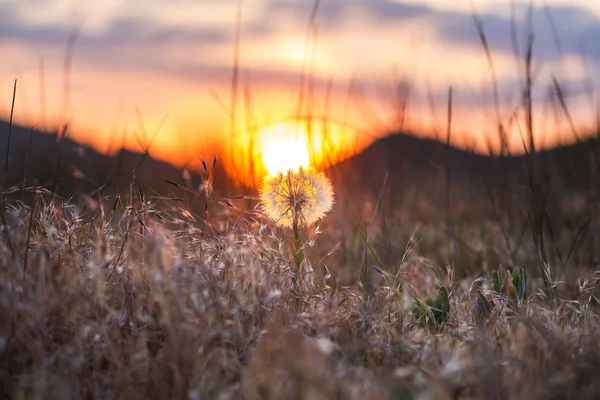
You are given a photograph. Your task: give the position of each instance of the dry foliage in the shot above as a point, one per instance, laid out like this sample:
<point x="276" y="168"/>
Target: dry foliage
<point x="138" y="302"/>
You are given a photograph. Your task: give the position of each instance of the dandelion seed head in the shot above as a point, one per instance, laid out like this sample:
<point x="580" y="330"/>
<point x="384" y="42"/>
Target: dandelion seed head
<point x="306" y="194"/>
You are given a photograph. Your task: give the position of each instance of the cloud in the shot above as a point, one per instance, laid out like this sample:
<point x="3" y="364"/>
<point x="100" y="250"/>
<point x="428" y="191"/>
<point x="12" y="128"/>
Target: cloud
<point x="124" y="31"/>
<point x="333" y="11"/>
<point x="126" y="42"/>
<point x="147" y="41"/>
<point x="578" y="31"/>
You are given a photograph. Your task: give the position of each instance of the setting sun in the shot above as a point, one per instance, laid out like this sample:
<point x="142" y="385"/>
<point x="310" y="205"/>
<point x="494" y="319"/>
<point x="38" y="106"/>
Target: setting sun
<point x="283" y="149"/>
<point x="269" y="148"/>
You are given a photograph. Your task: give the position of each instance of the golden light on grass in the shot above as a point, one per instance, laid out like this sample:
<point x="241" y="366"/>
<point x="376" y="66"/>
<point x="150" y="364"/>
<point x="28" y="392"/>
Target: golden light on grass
<point x="296" y="198"/>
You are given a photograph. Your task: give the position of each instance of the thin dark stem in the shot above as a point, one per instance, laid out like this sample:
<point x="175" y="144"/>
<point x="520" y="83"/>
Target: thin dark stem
<point x="43" y="97"/>
<point x="60" y="153"/>
<point x="448" y="136"/>
<point x="449" y="219"/>
<point x="10" y="123"/>
<point x="309" y="34"/>
<point x="28" y="240"/>
<point x="67" y="63"/>
<point x="27" y="162"/>
<point x="235" y="78"/>
<point x="495" y="91"/>
<point x="296" y="249"/>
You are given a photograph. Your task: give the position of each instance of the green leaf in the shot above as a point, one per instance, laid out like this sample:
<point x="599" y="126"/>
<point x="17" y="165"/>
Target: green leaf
<point x="298" y="257"/>
<point x="297" y="250"/>
<point x="515" y="277"/>
<point x="521" y="283"/>
<point x="433" y="311"/>
<point x="441" y="305"/>
<point x="508" y="285"/>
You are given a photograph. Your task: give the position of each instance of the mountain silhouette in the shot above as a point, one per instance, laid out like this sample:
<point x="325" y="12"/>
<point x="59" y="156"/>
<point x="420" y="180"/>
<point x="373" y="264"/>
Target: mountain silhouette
<point x="83" y="169"/>
<point x="436" y="174"/>
<point x="409" y="162"/>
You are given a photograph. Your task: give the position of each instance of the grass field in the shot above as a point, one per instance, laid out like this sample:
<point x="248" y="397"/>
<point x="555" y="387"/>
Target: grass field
<point x="131" y="300"/>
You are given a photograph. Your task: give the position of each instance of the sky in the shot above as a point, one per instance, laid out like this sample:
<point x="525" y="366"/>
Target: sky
<point x="159" y="74"/>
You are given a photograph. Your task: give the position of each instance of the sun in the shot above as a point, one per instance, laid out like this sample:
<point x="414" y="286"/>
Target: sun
<point x="284" y="148"/>
<point x="267" y="148"/>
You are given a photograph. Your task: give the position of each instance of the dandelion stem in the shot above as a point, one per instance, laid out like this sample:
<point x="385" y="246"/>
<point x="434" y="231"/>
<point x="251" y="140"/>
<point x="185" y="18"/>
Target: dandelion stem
<point x="297" y="249"/>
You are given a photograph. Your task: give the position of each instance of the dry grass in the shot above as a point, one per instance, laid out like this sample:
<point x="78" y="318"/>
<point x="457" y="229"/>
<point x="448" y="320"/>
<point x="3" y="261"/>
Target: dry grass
<point x="140" y="302"/>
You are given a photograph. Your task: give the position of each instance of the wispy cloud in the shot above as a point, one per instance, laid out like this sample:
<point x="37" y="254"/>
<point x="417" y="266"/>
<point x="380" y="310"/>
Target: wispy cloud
<point x="558" y="31"/>
<point x="430" y="44"/>
<point x="578" y="30"/>
<point x="334" y="11"/>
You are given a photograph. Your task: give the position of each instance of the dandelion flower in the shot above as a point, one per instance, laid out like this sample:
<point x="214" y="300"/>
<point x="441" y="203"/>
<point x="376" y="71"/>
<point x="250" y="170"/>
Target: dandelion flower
<point x="296" y="199"/>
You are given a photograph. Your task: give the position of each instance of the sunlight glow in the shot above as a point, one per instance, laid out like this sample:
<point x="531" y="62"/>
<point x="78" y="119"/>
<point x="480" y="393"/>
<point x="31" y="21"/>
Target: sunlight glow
<point x="283" y="149"/>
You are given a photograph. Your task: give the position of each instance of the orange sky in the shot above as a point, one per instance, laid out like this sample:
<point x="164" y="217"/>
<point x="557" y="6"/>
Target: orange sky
<point x="173" y="63"/>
